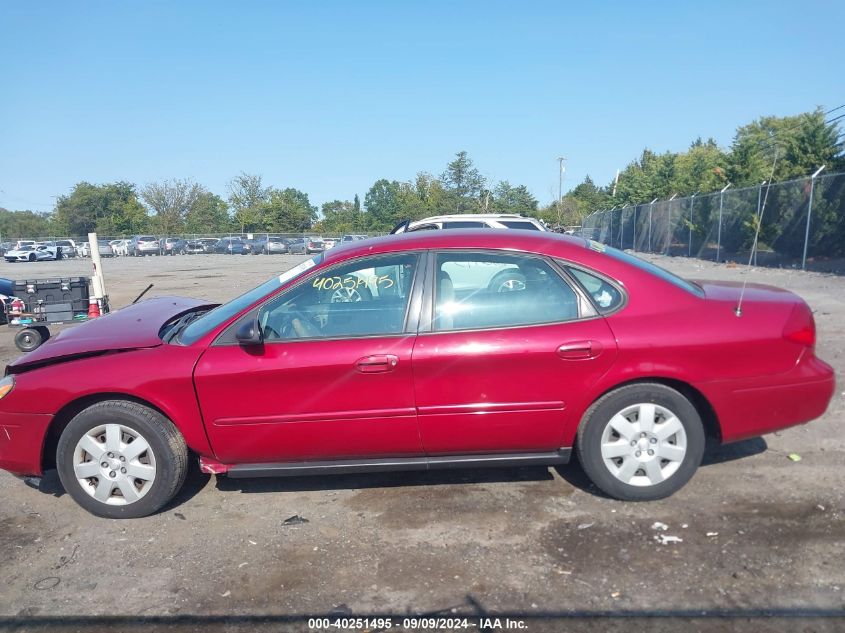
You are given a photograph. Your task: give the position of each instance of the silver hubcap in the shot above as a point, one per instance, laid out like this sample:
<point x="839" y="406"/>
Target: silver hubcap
<point x="643" y="444"/>
<point x="114" y="464"/>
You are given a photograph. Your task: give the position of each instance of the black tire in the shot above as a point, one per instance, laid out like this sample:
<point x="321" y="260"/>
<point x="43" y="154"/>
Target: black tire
<point x="165" y="441"/>
<point x="31" y="257"/>
<point x="44" y="331"/>
<point x="596" y="420"/>
<point x="28" y="339"/>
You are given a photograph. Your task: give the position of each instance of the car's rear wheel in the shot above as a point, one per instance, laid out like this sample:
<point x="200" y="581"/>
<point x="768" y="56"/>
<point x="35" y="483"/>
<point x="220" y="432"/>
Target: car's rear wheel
<point x="641" y="442"/>
<point x="120" y="459"/>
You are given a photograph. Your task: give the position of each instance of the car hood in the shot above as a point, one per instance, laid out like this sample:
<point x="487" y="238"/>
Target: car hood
<point x="134" y="327"/>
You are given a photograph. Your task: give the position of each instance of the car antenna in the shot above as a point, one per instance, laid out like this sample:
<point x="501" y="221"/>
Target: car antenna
<point x="738" y="309"/>
<point x="138" y="298"/>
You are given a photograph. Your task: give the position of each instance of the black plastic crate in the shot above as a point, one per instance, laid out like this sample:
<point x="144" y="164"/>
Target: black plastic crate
<point x="43" y="292"/>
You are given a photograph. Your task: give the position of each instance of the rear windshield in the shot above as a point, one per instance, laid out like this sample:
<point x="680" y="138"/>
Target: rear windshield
<point x="146" y="238"/>
<point x="648" y="267"/>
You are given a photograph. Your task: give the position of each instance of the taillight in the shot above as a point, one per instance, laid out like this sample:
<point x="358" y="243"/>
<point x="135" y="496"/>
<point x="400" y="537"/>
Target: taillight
<point x="800" y="326"/>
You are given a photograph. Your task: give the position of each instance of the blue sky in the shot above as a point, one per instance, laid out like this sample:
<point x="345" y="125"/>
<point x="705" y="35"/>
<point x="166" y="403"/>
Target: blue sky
<point x="330" y="96"/>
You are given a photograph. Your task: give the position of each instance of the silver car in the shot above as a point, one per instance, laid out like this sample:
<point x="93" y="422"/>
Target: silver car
<point x="144" y="245"/>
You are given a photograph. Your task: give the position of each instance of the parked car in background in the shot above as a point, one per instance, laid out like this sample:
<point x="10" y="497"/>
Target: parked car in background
<point x="250" y="244"/>
<point x="68" y="247"/>
<point x="22" y="243"/>
<point x="194" y="247"/>
<point x="104" y="248"/>
<point x="330" y="242"/>
<point x="471" y="221"/>
<point x="306" y="245"/>
<point x="270" y="245"/>
<point x="144" y="245"/>
<point x="352" y="238"/>
<point x="171" y="246"/>
<point x="232" y="246"/>
<point x="31" y="253"/>
<point x="120" y="248"/>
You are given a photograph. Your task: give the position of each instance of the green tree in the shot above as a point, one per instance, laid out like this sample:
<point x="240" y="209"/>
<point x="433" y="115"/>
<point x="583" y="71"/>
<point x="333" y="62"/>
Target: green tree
<point x="509" y="199"/>
<point x="287" y="211"/>
<point x="15" y="225"/>
<point x="382" y="204"/>
<point x="111" y="209"/>
<point x="248" y="198"/>
<point x="803" y="143"/>
<point x="420" y="198"/>
<point x="208" y="214"/>
<point x="170" y="202"/>
<point x="463" y="185"/>
<point x="341" y="216"/>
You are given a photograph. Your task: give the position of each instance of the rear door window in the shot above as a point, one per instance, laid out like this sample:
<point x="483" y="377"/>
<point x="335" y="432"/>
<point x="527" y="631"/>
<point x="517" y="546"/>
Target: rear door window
<point x="492" y="290"/>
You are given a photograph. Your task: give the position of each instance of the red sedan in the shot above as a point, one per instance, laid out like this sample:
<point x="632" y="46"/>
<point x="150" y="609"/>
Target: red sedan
<point x="416" y="352"/>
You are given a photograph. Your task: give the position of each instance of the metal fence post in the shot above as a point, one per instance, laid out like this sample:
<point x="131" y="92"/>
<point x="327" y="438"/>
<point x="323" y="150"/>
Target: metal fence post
<point x="759" y="223"/>
<point x="809" y="214"/>
<point x="669" y="230"/>
<point x="691" y="203"/>
<point x="650" y="207"/>
<point x="719" y="230"/>
<point x="634" y="238"/>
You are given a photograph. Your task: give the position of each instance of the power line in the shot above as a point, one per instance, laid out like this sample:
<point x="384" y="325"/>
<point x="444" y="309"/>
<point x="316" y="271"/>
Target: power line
<point x="801" y="123"/>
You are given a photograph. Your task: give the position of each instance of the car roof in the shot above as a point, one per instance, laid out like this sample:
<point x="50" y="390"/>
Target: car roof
<point x="475" y="216"/>
<point x="530" y="241"/>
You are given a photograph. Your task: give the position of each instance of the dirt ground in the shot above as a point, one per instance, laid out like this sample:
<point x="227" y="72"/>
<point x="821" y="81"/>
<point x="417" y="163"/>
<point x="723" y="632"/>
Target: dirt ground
<point x="761" y="534"/>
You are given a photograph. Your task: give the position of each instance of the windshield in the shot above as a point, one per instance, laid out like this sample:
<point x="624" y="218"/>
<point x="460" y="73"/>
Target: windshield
<point x="648" y="267"/>
<point x="222" y="313"/>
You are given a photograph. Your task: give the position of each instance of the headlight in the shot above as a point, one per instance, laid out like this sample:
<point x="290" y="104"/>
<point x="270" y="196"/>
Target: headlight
<point x="6" y="385"/>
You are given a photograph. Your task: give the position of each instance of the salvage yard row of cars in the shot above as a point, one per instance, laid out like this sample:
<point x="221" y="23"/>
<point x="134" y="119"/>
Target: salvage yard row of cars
<point x="140" y="245"/>
<point x="425" y="350"/>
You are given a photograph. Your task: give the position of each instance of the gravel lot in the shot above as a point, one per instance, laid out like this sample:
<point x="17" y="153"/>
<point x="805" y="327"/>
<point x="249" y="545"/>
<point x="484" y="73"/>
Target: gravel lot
<point x="760" y="532"/>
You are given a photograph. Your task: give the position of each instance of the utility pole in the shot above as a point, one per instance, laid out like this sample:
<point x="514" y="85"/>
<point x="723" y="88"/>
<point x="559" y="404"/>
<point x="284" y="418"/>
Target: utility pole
<point x="809" y="215"/>
<point x="561" y="171"/>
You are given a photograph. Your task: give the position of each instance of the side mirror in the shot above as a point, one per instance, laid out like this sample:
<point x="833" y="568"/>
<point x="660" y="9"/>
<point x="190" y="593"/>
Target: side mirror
<point x="249" y="333"/>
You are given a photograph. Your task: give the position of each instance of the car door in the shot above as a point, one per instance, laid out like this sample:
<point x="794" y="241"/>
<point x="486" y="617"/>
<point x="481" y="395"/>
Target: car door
<point x="510" y="342"/>
<point x="333" y="376"/>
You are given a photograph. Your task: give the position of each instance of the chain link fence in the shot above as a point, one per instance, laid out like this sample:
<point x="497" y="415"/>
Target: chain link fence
<point x="802" y="225"/>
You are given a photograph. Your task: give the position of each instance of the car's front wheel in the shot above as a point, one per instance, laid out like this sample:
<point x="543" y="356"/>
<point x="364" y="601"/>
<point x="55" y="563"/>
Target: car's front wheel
<point x="641" y="442"/>
<point x="121" y="459"/>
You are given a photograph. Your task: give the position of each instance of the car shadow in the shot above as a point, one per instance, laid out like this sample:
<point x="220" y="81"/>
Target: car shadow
<point x="572" y="473"/>
<point x="714" y="453"/>
<point x="384" y="480"/>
